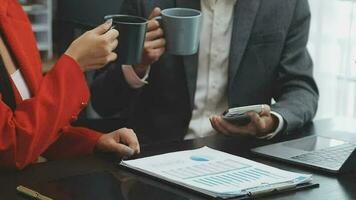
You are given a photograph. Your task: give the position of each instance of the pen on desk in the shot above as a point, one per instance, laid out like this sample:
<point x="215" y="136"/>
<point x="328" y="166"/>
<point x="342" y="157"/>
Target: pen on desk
<point x="31" y="193"/>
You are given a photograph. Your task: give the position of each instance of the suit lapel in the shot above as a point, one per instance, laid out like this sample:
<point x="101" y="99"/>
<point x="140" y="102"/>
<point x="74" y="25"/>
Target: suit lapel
<point x="191" y="73"/>
<point x="244" y="18"/>
<point x="190" y="62"/>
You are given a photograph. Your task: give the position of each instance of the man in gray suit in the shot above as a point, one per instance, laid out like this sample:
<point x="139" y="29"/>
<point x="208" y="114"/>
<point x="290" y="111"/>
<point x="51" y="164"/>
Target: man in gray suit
<point x="251" y="52"/>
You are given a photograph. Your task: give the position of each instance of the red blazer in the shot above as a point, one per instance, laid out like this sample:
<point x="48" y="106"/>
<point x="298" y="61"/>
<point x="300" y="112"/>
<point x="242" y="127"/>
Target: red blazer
<point x="41" y="125"/>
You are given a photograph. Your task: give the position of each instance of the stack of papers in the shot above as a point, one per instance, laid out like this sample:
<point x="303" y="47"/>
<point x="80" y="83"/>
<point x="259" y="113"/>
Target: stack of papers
<point x="216" y="173"/>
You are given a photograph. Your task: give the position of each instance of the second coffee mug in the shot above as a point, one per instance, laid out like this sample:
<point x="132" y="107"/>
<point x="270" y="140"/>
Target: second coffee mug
<point x="132" y="37"/>
<point x="182" y="28"/>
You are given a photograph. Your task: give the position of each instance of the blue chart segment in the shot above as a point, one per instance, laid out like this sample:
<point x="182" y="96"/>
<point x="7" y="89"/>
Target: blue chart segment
<point x="206" y="168"/>
<point x="238" y="177"/>
<point x="200" y="158"/>
<point x="227" y="173"/>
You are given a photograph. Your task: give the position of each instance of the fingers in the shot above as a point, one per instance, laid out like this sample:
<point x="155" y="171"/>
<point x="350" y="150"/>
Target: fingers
<point x="266" y="110"/>
<point x="124" y="142"/>
<point x="229" y="129"/>
<point x="263" y="123"/>
<point x="111" y="35"/>
<point x="102" y="60"/>
<point x="154" y="54"/>
<point x="155" y="44"/>
<point x="112" y="57"/>
<point x="111" y="143"/>
<point x="152" y="25"/>
<point x="157" y="52"/>
<point x="114" y="45"/>
<point x="212" y="123"/>
<point x="218" y="128"/>
<point x="105" y="46"/>
<point x="257" y="121"/>
<point x="103" y="28"/>
<point x="110" y="40"/>
<point x="152" y="35"/>
<point x="128" y="137"/>
<point x="123" y="150"/>
<point x="155" y="12"/>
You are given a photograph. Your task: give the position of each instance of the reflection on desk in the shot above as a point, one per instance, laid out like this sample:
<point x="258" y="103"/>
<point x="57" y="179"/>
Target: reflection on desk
<point x="103" y="185"/>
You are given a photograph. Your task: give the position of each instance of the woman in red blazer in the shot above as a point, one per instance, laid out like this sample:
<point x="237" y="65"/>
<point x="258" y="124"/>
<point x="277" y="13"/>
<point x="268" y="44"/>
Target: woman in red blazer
<point x="40" y="125"/>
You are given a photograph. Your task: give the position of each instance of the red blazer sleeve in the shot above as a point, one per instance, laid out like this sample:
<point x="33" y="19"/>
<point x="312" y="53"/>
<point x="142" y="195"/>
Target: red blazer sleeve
<point x="38" y="122"/>
<point x="74" y="141"/>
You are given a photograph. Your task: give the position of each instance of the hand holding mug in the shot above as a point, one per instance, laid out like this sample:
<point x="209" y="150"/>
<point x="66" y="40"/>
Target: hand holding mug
<point x="154" y="44"/>
<point x="94" y="49"/>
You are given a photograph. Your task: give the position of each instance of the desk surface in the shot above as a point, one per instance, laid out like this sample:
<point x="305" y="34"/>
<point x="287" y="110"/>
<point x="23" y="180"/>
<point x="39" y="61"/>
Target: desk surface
<point x="135" y="187"/>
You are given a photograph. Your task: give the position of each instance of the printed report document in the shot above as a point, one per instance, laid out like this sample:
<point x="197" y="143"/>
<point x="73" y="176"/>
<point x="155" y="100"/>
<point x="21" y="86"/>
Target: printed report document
<point x="216" y="173"/>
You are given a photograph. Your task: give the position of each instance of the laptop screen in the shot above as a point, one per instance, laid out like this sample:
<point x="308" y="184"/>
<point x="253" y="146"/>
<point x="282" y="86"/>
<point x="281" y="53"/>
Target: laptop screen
<point x="313" y="143"/>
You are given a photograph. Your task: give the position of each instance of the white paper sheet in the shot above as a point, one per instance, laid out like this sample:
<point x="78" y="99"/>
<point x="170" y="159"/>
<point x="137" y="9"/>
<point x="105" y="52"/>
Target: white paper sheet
<point x="216" y="172"/>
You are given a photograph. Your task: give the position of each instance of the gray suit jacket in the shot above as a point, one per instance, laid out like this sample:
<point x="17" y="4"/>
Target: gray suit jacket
<point x="268" y="60"/>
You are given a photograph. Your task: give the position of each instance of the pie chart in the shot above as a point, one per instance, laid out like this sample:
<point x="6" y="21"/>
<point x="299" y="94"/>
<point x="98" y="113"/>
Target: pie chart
<point x="200" y="158"/>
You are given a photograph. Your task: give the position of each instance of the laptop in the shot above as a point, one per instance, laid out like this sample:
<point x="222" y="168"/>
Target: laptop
<point x="318" y="152"/>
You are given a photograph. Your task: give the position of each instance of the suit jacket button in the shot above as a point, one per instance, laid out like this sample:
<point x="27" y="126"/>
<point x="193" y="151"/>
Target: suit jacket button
<point x="74" y="118"/>
<point x="84" y="104"/>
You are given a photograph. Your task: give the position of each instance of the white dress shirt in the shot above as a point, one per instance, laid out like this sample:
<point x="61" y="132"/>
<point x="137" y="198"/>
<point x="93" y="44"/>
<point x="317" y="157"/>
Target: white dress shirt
<point x="21" y="85"/>
<point x="212" y="83"/>
<point x="211" y="96"/>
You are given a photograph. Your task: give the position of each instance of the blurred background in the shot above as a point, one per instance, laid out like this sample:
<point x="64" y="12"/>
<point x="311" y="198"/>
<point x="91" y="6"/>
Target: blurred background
<point x="332" y="43"/>
<point x="333" y="47"/>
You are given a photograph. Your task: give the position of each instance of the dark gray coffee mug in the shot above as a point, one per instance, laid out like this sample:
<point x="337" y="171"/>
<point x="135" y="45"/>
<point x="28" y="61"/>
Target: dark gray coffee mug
<point x="132" y="37"/>
<point x="182" y="30"/>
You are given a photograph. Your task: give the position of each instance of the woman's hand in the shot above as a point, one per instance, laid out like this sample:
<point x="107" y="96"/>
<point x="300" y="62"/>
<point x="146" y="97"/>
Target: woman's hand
<point x="94" y="49"/>
<point x="123" y="142"/>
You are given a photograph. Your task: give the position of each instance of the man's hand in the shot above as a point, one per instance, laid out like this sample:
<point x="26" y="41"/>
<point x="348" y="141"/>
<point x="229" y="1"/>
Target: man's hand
<point x="154" y="44"/>
<point x="123" y="142"/>
<point x="261" y="124"/>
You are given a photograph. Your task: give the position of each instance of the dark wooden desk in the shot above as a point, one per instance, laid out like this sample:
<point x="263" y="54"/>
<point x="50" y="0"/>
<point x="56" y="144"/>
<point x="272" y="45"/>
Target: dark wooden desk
<point x="134" y="187"/>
